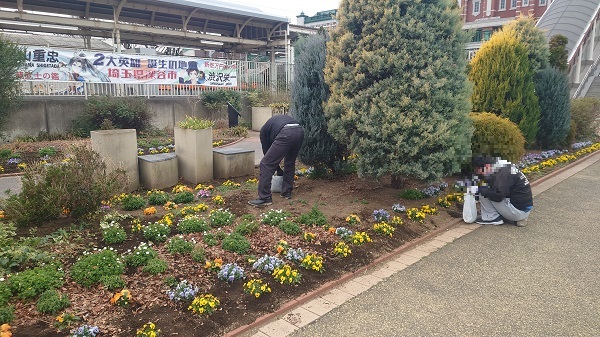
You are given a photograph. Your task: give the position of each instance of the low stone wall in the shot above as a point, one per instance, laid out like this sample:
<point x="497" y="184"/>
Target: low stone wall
<point x="55" y="114"/>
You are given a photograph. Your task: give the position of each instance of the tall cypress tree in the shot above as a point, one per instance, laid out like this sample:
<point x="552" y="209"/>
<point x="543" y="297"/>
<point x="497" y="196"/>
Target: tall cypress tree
<point x="399" y="95"/>
<point x="533" y="39"/>
<point x="502" y="78"/>
<point x="309" y="92"/>
<point x="552" y="89"/>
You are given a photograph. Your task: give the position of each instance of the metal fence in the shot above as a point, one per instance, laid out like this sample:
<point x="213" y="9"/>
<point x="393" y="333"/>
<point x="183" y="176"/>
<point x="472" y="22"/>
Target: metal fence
<point x="250" y="75"/>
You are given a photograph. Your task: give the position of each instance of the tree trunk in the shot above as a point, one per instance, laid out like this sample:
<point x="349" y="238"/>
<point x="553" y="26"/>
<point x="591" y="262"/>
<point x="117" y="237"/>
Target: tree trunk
<point x="397" y="181"/>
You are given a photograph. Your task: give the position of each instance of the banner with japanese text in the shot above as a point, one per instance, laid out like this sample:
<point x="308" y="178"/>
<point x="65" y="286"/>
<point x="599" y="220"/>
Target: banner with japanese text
<point x="48" y="64"/>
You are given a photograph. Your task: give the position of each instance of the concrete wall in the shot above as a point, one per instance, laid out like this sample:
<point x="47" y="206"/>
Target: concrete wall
<point x="55" y="114"/>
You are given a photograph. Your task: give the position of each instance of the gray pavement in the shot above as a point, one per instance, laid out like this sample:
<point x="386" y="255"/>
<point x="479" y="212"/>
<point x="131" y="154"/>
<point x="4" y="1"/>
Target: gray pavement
<point x="540" y="280"/>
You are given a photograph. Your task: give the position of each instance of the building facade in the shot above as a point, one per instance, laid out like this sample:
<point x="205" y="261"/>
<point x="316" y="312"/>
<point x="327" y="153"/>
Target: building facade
<point x="484" y="17"/>
<point x="325" y="19"/>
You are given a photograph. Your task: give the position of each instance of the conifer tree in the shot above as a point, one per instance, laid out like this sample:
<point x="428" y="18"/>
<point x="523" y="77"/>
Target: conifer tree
<point x="399" y="95"/>
<point x="552" y="89"/>
<point x="533" y="39"/>
<point x="309" y="92"/>
<point x="12" y="58"/>
<point x="558" y="52"/>
<point x="502" y="79"/>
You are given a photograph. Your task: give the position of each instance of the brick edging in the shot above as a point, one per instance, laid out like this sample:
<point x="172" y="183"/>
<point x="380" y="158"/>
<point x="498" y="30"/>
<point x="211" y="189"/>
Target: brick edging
<point x="292" y="304"/>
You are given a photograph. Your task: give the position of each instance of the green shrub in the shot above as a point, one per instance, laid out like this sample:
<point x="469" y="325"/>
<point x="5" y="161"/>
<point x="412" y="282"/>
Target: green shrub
<point x="157" y="232"/>
<point x="247" y="227"/>
<point x="91" y="268"/>
<point x="217" y="99"/>
<point x="78" y="184"/>
<point x="497" y="137"/>
<point x="411" y="194"/>
<point x="184" y="197"/>
<point x="32" y="282"/>
<point x="5" y="293"/>
<point x="210" y="239"/>
<point x="586" y="114"/>
<point x="290" y="227"/>
<point x="112" y="282"/>
<point x="140" y="255"/>
<point x="21" y="255"/>
<point x="198" y="254"/>
<point x="155" y="266"/>
<point x="236" y="131"/>
<point x="195" y="123"/>
<point x="47" y="151"/>
<point x="221" y="217"/>
<point x="179" y="245"/>
<point x="552" y="89"/>
<point x="131" y="202"/>
<point x="156" y="197"/>
<point x="6" y="154"/>
<point x="274" y="217"/>
<point x="51" y="302"/>
<point x="112" y="113"/>
<point x="315" y="217"/>
<point x="192" y="224"/>
<point x="236" y="243"/>
<point x="7" y="313"/>
<point x="113" y="232"/>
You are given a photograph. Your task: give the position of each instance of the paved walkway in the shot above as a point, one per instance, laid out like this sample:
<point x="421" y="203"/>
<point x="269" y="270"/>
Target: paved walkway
<point x="540" y="280"/>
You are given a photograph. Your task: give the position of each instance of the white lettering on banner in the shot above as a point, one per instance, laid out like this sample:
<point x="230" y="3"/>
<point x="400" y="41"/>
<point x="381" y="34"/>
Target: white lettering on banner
<point x="62" y="65"/>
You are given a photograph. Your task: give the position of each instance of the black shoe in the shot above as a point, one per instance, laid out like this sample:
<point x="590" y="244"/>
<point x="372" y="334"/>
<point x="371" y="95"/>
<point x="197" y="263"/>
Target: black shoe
<point x="261" y="202"/>
<point x="495" y="222"/>
<point x="286" y="195"/>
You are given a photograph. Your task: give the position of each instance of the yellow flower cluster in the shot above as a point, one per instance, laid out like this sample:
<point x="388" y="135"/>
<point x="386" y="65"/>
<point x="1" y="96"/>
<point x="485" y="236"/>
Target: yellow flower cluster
<point x="148" y="330"/>
<point x="397" y="221"/>
<point x="169" y="205"/>
<point x="218" y="200"/>
<point x="458" y="197"/>
<point x="383" y="228"/>
<point x="230" y="183"/>
<point x="561" y="159"/>
<point x="122" y="298"/>
<point x="214" y="265"/>
<point x="252" y="181"/>
<point x="22" y="166"/>
<point x="360" y="238"/>
<point x="204" y="304"/>
<point x="429" y="210"/>
<point x="181" y="188"/>
<point x="256" y="287"/>
<point x="136" y="225"/>
<point x="150" y="210"/>
<point x="1" y="169"/>
<point x="309" y="236"/>
<point x="201" y="207"/>
<point x="204" y="187"/>
<point x="167" y="219"/>
<point x="443" y="202"/>
<point x="353" y="219"/>
<point x="286" y="275"/>
<point x="342" y="249"/>
<point x="119" y="197"/>
<point x="415" y="214"/>
<point x="218" y="143"/>
<point x="313" y="262"/>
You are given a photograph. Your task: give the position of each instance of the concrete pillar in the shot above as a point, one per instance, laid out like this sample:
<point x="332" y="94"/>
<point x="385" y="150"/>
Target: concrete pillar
<point x="260" y="115"/>
<point x="578" y="65"/>
<point x="118" y="149"/>
<point x="194" y="154"/>
<point x="592" y="42"/>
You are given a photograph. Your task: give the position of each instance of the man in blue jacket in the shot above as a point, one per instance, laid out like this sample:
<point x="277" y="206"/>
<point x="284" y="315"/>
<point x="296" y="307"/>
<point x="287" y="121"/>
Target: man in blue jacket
<point x="505" y="194"/>
<point x="281" y="138"/>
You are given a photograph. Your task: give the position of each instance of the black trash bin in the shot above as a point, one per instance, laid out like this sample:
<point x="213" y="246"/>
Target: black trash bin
<point x="233" y="115"/>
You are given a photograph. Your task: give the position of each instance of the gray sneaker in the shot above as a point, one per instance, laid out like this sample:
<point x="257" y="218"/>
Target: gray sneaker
<point x="261" y="202"/>
<point x="495" y="222"/>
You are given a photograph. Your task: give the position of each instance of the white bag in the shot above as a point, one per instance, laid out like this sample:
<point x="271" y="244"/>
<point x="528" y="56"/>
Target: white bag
<point x="469" y="208"/>
<point x="277" y="184"/>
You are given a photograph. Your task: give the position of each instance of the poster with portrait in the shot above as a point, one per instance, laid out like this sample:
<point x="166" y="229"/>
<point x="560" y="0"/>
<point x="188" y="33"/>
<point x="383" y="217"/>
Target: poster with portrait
<point x="48" y="64"/>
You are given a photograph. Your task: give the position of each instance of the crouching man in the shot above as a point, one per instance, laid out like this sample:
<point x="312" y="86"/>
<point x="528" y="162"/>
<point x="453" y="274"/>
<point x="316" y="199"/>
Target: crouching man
<point x="505" y="195"/>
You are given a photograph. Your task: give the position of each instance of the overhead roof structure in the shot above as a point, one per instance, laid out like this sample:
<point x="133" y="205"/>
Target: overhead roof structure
<point x="186" y="23"/>
<point x="53" y="41"/>
<point x="570" y="18"/>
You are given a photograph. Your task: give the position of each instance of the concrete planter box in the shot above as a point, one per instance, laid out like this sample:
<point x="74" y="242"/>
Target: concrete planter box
<point x="194" y="154"/>
<point x="233" y="162"/>
<point x="158" y="171"/>
<point x="260" y="115"/>
<point x="118" y="149"/>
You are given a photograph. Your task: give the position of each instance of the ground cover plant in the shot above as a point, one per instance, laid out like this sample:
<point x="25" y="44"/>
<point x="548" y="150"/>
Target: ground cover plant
<point x="238" y="262"/>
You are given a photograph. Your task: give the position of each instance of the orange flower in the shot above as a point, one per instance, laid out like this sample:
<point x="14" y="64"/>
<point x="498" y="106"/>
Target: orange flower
<point x="150" y="210"/>
<point x="279" y="249"/>
<point x="332" y="230"/>
<point x="4" y="327"/>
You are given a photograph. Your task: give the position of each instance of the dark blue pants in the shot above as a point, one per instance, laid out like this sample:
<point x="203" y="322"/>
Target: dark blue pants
<point x="286" y="146"/>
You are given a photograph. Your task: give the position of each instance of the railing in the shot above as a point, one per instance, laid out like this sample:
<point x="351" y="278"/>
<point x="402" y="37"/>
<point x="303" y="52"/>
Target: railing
<point x="586" y="78"/>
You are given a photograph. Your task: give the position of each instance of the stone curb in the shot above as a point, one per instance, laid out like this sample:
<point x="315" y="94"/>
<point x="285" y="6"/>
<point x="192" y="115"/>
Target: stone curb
<point x="323" y="289"/>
